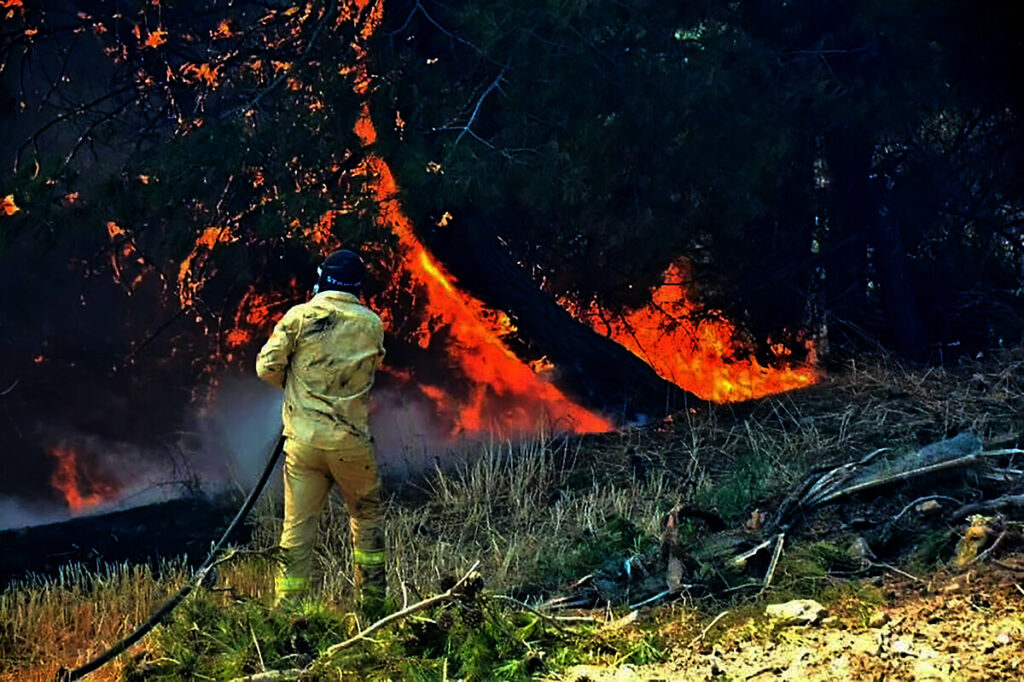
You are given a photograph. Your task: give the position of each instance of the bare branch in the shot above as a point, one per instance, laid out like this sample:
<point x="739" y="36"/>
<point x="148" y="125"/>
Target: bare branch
<point x="452" y="592"/>
<point x="467" y="128"/>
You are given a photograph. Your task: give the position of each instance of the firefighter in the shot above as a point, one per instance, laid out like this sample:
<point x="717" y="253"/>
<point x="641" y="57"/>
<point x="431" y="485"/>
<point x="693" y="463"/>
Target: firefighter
<point x="324" y="354"/>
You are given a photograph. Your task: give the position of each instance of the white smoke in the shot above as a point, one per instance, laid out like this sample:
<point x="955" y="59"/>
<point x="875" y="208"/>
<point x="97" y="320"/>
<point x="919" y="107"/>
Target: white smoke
<point x="225" y="445"/>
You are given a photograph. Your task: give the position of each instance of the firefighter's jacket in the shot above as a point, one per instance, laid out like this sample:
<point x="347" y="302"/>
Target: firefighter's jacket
<point x="324" y="353"/>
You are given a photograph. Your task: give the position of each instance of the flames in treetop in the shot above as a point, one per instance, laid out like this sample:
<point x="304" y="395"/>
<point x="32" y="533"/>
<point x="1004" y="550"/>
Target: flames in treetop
<point x="79" y="484"/>
<point x="698" y="355"/>
<point x="505" y="393"/>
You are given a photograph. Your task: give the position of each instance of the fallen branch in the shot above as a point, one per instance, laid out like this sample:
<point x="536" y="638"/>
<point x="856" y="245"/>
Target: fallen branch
<point x="997" y="504"/>
<point x="831" y="495"/>
<point x="524" y="605"/>
<point x="992" y="548"/>
<point x="661" y="595"/>
<point x="775" y="562"/>
<point x="707" y="628"/>
<point x="450" y="593"/>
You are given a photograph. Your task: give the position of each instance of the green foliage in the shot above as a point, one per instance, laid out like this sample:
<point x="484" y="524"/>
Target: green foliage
<point x="806" y="570"/>
<point x="931" y="550"/>
<point x="617" y="539"/>
<point x="736" y="493"/>
<point x="473" y="639"/>
<point x="206" y="639"/>
<point x="858" y="600"/>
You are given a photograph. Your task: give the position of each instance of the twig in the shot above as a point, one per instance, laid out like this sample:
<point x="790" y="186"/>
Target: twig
<point x="658" y="597"/>
<point x="775" y="562"/>
<point x="827" y="482"/>
<point x="566" y="604"/>
<point x="707" y="628"/>
<point x="271" y="676"/>
<point x="751" y="552"/>
<point x="451" y="592"/>
<point x="11" y="387"/>
<point x="737" y="588"/>
<point x="1008" y="566"/>
<point x="87" y="135"/>
<point x="1000" y="453"/>
<point x="870" y="456"/>
<point x="1019" y="588"/>
<point x="275" y="675"/>
<point x="532" y="610"/>
<point x="989" y="551"/>
<point x="259" y="654"/>
<point x="495" y="84"/>
<point x="281" y="78"/>
<point x="80" y="109"/>
<point x="895" y="570"/>
<point x="919" y="501"/>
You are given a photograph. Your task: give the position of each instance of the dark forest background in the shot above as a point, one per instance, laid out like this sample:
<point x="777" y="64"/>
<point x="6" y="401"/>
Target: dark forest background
<point x="849" y="169"/>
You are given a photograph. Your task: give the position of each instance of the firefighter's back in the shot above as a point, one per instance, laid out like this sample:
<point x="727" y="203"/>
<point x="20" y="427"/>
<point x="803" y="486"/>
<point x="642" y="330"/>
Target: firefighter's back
<point x="338" y="346"/>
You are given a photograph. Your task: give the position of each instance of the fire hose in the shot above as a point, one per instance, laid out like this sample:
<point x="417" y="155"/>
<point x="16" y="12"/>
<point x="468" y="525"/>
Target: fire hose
<point x="65" y="675"/>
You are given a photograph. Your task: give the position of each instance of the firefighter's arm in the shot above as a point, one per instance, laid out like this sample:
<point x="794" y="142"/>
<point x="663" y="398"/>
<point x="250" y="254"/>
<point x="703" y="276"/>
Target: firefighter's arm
<point x="272" y="362"/>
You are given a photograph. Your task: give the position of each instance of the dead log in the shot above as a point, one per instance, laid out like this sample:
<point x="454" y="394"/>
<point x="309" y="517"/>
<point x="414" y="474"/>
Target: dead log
<point x="592" y="368"/>
<point x="998" y="504"/>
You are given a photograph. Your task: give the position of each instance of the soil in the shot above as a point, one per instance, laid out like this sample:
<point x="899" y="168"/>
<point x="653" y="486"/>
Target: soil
<point x="953" y="626"/>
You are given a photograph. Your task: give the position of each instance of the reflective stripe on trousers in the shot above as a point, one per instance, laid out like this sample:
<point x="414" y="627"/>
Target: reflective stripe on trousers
<point x="308" y="475"/>
<point x="290" y="585"/>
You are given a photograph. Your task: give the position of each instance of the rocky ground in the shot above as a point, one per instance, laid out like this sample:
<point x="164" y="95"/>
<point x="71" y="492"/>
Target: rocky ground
<point x="966" y="626"/>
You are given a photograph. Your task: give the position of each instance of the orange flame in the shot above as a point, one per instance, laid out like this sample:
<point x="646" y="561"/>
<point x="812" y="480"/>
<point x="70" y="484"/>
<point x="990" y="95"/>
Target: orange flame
<point x="507" y="396"/>
<point x="258" y="312"/>
<point x="699" y="356"/>
<point x="81" y="490"/>
<point x="190" y="275"/>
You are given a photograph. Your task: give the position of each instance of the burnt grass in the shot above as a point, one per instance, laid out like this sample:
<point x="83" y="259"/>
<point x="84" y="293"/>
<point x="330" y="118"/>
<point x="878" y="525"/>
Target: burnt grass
<point x="731" y="467"/>
<point x="147" y="534"/>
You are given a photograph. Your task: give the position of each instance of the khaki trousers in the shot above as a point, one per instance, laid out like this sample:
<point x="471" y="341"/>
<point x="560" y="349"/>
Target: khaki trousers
<point x="308" y="475"/>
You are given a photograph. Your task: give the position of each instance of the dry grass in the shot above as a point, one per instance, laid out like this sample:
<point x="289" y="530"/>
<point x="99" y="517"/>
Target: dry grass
<point x="505" y="504"/>
<point x="524" y="509"/>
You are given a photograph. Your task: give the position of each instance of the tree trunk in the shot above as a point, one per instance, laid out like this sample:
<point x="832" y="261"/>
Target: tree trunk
<point x="859" y="218"/>
<point x="591" y="367"/>
<point x="903" y="319"/>
<point x="845" y="252"/>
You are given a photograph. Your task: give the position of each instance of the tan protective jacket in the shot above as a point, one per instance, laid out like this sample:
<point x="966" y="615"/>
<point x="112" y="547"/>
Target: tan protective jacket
<point x="324" y="353"/>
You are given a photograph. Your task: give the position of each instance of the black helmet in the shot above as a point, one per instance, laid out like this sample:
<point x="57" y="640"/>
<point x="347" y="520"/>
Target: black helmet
<point x="342" y="271"/>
